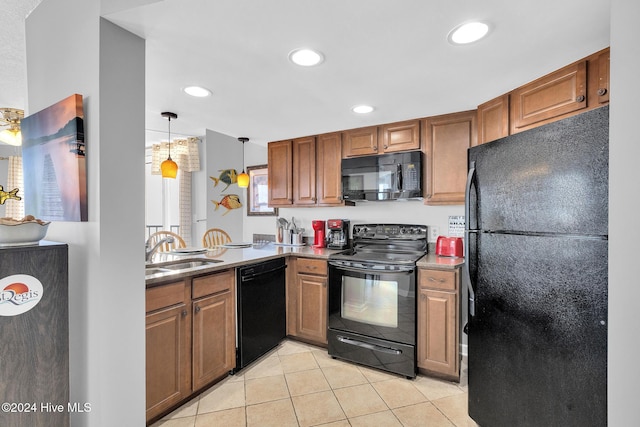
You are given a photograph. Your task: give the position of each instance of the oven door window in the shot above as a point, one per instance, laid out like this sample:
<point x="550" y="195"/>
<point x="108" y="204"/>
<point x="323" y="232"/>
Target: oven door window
<point x="369" y="300"/>
<point x="379" y="304"/>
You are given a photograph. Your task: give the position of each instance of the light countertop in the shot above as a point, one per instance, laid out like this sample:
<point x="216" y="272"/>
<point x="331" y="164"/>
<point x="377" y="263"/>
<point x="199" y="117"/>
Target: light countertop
<point x="231" y="258"/>
<point x="440" y="262"/>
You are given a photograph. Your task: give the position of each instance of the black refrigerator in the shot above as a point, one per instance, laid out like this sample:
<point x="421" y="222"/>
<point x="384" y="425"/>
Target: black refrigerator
<point x="537" y="255"/>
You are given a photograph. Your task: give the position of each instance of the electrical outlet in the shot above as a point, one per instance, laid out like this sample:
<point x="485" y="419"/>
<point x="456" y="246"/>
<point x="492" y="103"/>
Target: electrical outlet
<point x="434" y="232"/>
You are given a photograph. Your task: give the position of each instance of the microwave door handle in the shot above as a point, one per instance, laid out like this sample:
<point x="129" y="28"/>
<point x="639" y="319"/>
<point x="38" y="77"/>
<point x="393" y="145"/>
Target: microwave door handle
<point x="399" y="175"/>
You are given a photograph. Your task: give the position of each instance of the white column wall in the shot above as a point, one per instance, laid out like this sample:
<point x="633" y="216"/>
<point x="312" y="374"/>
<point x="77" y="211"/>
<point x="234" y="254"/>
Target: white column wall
<point x="69" y="50"/>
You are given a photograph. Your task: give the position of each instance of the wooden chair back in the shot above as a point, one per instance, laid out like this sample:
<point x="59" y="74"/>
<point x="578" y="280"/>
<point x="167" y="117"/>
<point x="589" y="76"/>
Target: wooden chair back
<point x="215" y="237"/>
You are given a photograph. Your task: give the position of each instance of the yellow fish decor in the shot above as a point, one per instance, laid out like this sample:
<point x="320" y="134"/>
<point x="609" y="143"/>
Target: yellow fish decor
<point x="4" y="195"/>
<point x="230" y="201"/>
<point x="227" y="176"/>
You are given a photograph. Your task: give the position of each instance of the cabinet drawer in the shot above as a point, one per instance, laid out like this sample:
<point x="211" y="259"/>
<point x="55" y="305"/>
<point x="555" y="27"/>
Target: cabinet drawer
<point x="437" y="279"/>
<point x="164" y="296"/>
<point x="312" y="266"/>
<point x="213" y="283"/>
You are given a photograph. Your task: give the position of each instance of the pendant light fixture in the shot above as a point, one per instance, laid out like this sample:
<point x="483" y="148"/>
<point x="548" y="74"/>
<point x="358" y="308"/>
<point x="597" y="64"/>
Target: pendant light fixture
<point x="10" y="119"/>
<point x="243" y="178"/>
<point x="169" y="168"/>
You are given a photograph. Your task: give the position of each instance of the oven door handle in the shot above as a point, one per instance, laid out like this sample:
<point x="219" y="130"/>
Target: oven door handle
<point x="400" y="269"/>
<point x="374" y="347"/>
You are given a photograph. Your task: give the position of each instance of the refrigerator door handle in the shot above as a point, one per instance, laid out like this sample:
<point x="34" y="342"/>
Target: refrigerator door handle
<point x="467" y="192"/>
<point x="467" y="206"/>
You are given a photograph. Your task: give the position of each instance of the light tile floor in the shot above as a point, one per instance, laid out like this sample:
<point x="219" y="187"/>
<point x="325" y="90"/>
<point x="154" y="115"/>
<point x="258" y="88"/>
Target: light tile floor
<point x="300" y="385"/>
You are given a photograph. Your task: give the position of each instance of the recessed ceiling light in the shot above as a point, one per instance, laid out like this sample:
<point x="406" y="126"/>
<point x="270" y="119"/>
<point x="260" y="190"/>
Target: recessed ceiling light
<point x="197" y="91"/>
<point x="362" y="109"/>
<point x="305" y="57"/>
<point x="468" y="33"/>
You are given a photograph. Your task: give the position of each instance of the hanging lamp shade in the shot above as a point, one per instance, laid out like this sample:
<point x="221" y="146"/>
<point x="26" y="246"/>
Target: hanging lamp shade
<point x="169" y="168"/>
<point x="243" y="178"/>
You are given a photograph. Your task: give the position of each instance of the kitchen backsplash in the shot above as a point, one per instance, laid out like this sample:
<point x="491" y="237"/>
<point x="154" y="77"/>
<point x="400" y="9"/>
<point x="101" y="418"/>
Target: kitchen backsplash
<point x="399" y="212"/>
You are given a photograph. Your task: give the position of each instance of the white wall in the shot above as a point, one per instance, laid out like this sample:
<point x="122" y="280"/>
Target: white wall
<point x="624" y="235"/>
<point x="70" y="50"/>
<point x="223" y="152"/>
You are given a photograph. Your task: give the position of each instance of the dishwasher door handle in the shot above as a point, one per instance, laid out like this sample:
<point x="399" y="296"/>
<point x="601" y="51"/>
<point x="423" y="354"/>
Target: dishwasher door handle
<point x="250" y="277"/>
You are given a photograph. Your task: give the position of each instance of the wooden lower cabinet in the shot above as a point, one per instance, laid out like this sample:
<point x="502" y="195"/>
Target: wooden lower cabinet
<point x="307" y="301"/>
<point x="190" y="338"/>
<point x="214" y="338"/>
<point x="438" y="322"/>
<point x="168" y="364"/>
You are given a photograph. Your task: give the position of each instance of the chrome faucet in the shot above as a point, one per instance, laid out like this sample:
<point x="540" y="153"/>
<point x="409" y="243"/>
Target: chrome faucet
<point x="149" y="252"/>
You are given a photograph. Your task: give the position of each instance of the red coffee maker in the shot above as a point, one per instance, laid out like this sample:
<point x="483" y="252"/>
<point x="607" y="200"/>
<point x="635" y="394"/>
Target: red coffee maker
<point x="318" y="233"/>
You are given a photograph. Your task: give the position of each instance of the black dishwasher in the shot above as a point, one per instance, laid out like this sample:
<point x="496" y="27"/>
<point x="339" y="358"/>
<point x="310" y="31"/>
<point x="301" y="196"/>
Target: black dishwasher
<point x="261" y="309"/>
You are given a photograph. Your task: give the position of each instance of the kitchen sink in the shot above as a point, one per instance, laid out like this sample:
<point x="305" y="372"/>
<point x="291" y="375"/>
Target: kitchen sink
<point x="181" y="265"/>
<point x="176" y="266"/>
<point x="155" y="270"/>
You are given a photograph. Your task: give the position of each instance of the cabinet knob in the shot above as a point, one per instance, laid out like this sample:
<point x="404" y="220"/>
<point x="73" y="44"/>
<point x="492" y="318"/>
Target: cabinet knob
<point x="184" y="313"/>
<point x="197" y="309"/>
<point x="375" y="147"/>
<point x="580" y="98"/>
<point x="602" y="91"/>
<point x="385" y="146"/>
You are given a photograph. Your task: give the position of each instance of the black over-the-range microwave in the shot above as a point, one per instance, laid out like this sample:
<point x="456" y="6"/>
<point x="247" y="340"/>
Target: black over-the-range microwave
<point x="384" y="177"/>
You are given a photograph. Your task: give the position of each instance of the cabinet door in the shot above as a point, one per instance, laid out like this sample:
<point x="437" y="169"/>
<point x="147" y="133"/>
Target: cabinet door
<point x="447" y="139"/>
<point x="329" y="157"/>
<point x="312" y="307"/>
<point x="304" y="171"/>
<point x="603" y="77"/>
<point x="280" y="173"/>
<point x="360" y="142"/>
<point x="437" y="332"/>
<point x="554" y="95"/>
<point x="493" y="119"/>
<point x="214" y="338"/>
<point x="168" y="367"/>
<point x="402" y="136"/>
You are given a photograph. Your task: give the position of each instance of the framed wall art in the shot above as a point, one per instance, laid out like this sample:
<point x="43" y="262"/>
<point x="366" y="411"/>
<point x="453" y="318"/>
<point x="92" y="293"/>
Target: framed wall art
<point x="258" y="192"/>
<point x="54" y="162"/>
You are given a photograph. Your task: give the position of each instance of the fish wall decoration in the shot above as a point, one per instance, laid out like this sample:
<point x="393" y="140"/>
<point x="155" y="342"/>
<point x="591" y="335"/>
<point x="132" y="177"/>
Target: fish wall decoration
<point x="230" y="201"/>
<point x="227" y="176"/>
<point x="5" y="195"/>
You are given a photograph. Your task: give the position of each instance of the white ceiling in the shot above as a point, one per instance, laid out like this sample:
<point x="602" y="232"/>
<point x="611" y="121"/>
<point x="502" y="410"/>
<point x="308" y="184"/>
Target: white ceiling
<point x="390" y="54"/>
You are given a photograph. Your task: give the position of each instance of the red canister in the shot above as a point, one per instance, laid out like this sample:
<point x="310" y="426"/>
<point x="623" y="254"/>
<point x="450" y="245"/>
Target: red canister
<point x="449" y="246"/>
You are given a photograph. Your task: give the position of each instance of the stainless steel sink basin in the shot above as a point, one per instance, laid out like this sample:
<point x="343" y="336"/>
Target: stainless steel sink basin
<point x="181" y="265"/>
<point x="177" y="266"/>
<point x="154" y="270"/>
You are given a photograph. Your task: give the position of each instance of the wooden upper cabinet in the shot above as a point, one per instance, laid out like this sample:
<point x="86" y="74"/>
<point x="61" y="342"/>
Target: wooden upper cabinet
<point x="602" y="91"/>
<point x="329" y="173"/>
<point x="493" y="119"/>
<point x="280" y="179"/>
<point x="360" y="142"/>
<point x="545" y="99"/>
<point x="304" y="171"/>
<point x="389" y="138"/>
<point x="447" y="139"/>
<point x="402" y="136"/>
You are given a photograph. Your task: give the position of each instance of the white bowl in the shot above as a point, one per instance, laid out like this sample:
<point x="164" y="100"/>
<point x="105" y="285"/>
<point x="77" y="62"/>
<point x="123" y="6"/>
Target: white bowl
<point x="21" y="234"/>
